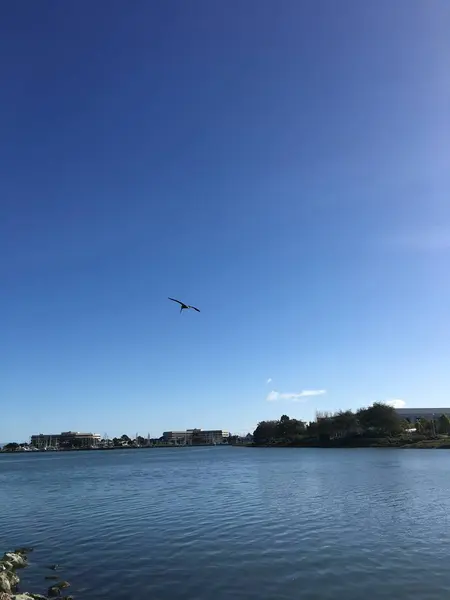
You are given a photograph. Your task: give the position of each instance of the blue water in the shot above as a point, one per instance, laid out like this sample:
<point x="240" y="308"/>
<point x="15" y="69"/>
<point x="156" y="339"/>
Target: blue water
<point x="233" y="523"/>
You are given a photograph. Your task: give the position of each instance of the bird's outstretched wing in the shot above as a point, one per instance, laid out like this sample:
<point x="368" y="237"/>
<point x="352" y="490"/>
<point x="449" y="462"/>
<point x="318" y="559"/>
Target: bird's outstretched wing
<point x="173" y="300"/>
<point x="197" y="309"/>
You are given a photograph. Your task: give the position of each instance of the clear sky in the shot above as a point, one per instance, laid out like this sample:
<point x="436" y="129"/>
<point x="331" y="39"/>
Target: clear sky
<point x="284" y="166"/>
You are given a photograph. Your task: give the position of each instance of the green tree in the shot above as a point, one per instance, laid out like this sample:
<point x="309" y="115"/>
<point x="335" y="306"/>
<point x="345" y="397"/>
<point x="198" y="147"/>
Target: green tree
<point x="444" y="424"/>
<point x="379" y="418"/>
<point x="265" y="432"/>
<point x="290" y="429"/>
<point x="11" y="447"/>
<point x="406" y="424"/>
<point x="325" y="427"/>
<point x="424" y="426"/>
<point x="283" y="426"/>
<point x="345" y="423"/>
<point x="297" y="428"/>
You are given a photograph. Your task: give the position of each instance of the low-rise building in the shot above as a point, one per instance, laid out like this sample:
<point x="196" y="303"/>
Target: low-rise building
<point x="213" y="436"/>
<point x="414" y="414"/>
<point x="196" y="436"/>
<point x="177" y="437"/>
<point x="65" y="439"/>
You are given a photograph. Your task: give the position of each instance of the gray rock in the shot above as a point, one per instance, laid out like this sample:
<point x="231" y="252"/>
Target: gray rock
<point x="13" y="579"/>
<point x="53" y="591"/>
<point x="37" y="596"/>
<point x="23" y="550"/>
<point x="5" y="584"/>
<point x="18" y="561"/>
<point x="24" y="596"/>
<point x="5" y="596"/>
<point x="62" y="585"/>
<point x="8" y="581"/>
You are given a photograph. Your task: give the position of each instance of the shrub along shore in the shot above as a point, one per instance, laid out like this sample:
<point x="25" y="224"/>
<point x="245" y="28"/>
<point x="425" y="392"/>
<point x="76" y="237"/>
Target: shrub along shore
<point x="375" y="426"/>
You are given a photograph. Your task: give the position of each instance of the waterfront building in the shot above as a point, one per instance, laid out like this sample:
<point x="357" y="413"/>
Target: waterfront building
<point x="65" y="439"/>
<point x="196" y="436"/>
<point x="177" y="437"/>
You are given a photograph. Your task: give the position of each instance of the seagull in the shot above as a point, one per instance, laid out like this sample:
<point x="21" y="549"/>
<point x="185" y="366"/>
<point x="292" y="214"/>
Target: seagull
<point x="183" y="305"/>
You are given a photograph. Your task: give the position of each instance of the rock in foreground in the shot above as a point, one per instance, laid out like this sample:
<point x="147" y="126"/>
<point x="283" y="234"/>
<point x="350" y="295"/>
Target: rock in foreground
<point x="9" y="579"/>
<point x="18" y="561"/>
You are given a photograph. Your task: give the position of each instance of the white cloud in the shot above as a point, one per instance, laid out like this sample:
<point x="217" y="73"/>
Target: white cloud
<point x="269" y="380"/>
<point x="274" y="396"/>
<point x="396" y="403"/>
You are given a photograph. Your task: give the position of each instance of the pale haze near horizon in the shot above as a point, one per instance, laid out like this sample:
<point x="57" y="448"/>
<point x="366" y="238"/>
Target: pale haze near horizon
<point x="282" y="166"/>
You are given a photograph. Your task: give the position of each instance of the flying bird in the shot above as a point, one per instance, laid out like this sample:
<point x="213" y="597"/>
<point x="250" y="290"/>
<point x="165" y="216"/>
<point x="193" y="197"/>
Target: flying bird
<point x="183" y="305"/>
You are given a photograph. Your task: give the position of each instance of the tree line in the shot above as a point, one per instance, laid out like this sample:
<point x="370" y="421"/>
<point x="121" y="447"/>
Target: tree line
<point x="376" y="421"/>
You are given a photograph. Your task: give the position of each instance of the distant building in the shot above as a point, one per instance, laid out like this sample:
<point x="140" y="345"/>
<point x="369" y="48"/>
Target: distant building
<point x="65" y="439"/>
<point x="414" y="414"/>
<point x="196" y="436"/>
<point x="176" y="437"/>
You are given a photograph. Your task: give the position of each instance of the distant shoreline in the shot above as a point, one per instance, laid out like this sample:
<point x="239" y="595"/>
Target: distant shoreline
<point x="431" y="444"/>
<point x="98" y="449"/>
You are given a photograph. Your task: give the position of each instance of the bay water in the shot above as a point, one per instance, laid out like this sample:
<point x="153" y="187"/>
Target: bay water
<point x="232" y="523"/>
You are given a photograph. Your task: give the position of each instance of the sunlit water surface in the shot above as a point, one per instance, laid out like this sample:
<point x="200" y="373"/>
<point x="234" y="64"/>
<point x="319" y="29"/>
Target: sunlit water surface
<point x="240" y="523"/>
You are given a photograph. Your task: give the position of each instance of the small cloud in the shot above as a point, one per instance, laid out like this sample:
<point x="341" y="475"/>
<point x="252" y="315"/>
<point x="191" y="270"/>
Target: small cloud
<point x="396" y="403"/>
<point x="269" y="380"/>
<point x="274" y="396"/>
<point x="313" y="392"/>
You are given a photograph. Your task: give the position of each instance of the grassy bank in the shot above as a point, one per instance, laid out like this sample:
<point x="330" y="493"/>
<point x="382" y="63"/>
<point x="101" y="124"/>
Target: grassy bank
<point x="418" y="442"/>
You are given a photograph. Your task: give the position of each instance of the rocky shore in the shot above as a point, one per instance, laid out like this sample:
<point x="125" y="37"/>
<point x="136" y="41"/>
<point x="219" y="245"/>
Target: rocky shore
<point x="11" y="563"/>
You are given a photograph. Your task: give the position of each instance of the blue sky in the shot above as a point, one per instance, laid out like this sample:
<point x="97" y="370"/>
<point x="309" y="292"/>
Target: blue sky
<point x="284" y="166"/>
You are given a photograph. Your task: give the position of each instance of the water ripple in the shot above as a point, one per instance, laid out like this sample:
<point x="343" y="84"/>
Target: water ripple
<point x="233" y="523"/>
